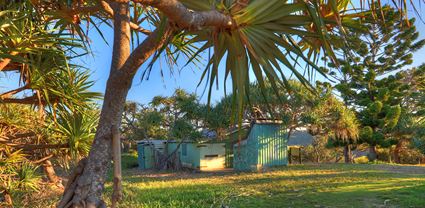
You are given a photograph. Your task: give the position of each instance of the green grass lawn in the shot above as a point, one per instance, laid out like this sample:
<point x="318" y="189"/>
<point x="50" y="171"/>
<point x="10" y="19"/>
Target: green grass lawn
<point x="327" y="185"/>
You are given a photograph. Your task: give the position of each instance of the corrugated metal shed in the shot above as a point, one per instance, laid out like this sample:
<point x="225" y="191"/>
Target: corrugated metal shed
<point x="265" y="146"/>
<point x="203" y="156"/>
<point x="145" y="156"/>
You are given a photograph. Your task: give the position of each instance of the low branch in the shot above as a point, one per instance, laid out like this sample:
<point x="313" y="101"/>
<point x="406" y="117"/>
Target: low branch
<point x="13" y="66"/>
<point x="31" y="100"/>
<point x="9" y="138"/>
<point x="4" y="62"/>
<point x="8" y="94"/>
<point x="188" y="19"/>
<point x="43" y="159"/>
<point x="30" y="147"/>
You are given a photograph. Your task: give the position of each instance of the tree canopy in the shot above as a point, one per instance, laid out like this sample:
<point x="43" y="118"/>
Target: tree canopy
<point x="265" y="37"/>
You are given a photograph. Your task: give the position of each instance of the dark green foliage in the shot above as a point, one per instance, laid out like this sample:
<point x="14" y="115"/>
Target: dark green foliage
<point x="179" y="116"/>
<point x="370" y="79"/>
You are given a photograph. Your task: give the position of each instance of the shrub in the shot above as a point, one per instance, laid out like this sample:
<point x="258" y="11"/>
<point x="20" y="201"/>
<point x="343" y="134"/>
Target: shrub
<point x="410" y="156"/>
<point x="318" y="152"/>
<point x="384" y="154"/>
<point x="361" y="160"/>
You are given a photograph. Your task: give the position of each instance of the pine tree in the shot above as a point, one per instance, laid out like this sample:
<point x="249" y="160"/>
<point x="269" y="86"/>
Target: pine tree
<point x="368" y="78"/>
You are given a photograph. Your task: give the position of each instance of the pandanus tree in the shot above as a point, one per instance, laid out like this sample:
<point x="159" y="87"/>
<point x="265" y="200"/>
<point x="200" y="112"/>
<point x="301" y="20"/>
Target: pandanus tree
<point x="266" y="37"/>
<point x="336" y="122"/>
<point x="47" y="82"/>
<point x="164" y="117"/>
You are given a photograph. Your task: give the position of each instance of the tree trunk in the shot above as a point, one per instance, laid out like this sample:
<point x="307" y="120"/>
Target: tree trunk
<point x="85" y="187"/>
<point x="372" y="153"/>
<point x="347" y="154"/>
<point x="50" y="172"/>
<point x="397" y="151"/>
<point x="89" y="185"/>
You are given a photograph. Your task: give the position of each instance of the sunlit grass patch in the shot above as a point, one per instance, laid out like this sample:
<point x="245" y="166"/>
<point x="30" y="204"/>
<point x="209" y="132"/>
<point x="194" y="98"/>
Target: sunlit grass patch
<point x="325" y="185"/>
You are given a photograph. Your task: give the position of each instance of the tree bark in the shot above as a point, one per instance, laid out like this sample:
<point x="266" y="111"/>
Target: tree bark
<point x="90" y="183"/>
<point x="397" y="151"/>
<point x="372" y="153"/>
<point x="347" y="154"/>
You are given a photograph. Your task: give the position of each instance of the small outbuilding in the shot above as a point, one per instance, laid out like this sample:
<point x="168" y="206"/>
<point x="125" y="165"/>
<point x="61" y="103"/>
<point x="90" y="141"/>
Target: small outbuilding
<point x="146" y="152"/>
<point x="265" y="146"/>
<point x="197" y="155"/>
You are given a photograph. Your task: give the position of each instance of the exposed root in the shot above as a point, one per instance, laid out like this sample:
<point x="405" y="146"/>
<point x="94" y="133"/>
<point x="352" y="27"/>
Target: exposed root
<point x="68" y="194"/>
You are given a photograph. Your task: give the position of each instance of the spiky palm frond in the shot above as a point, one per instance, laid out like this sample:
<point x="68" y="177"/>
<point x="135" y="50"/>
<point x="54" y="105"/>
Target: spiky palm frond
<point x="27" y="177"/>
<point x="16" y="172"/>
<point x="340" y="122"/>
<point x="66" y="88"/>
<point x="42" y="57"/>
<point x="77" y="129"/>
<point x="268" y="38"/>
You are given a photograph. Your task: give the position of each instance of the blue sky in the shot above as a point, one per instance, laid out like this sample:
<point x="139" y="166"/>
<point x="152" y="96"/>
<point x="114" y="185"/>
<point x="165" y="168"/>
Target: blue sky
<point x="143" y="92"/>
<point x="187" y="78"/>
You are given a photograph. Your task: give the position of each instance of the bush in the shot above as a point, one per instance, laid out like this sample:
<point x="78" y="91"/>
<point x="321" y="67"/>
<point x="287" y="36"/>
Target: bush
<point x="361" y="160"/>
<point x="410" y="156"/>
<point x="318" y="152"/>
<point x="129" y="160"/>
<point x="384" y="154"/>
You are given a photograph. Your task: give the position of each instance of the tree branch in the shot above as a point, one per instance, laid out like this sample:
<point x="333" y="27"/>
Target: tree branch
<point x="188" y="19"/>
<point x="17" y="136"/>
<point x="152" y="43"/>
<point x="32" y="100"/>
<point x="4" y="62"/>
<point x="8" y="94"/>
<point x="30" y="147"/>
<point x="43" y="159"/>
<point x="107" y="8"/>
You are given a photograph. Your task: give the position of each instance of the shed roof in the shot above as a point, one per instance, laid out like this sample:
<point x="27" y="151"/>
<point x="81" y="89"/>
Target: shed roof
<point x="267" y="121"/>
<point x="300" y="138"/>
<point x="158" y="141"/>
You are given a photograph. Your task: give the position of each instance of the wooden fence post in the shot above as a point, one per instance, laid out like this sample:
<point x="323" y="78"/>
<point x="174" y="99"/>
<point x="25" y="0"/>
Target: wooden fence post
<point x="116" y="155"/>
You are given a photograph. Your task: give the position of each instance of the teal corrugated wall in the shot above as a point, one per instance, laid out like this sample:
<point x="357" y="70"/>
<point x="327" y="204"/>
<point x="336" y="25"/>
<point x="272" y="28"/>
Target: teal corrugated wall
<point x="192" y="153"/>
<point x="245" y="154"/>
<point x="145" y="156"/>
<point x="265" y="146"/>
<point x="195" y="154"/>
<point x="140" y="154"/>
<point x="272" y="145"/>
<point x="229" y="155"/>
